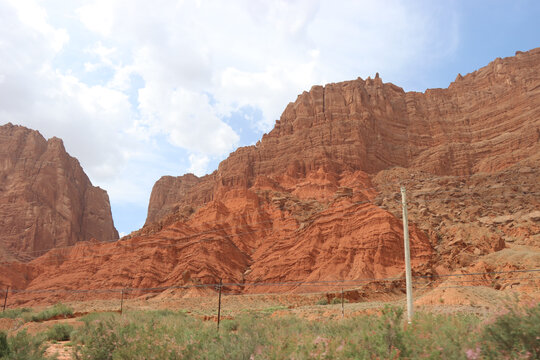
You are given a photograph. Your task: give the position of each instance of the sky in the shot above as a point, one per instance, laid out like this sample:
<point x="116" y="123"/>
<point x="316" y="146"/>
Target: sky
<point x="139" y="89"/>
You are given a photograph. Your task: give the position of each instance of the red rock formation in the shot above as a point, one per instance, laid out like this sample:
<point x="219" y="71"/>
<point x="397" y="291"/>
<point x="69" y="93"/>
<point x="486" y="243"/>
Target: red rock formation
<point x="248" y="235"/>
<point x="484" y="122"/>
<point x="46" y="199"/>
<point x="168" y="190"/>
<point x="317" y="198"/>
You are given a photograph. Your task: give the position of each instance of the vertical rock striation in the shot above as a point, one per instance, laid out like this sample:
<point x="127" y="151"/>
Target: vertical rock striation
<point x="485" y="121"/>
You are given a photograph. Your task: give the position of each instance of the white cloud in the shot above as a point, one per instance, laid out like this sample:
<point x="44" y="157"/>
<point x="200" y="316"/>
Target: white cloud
<point x="33" y="93"/>
<point x="197" y="63"/>
<point x="105" y="54"/>
<point x="199" y="164"/>
<point x="98" y="16"/>
<point x="34" y="17"/>
<point x="262" y="54"/>
<point x="188" y="119"/>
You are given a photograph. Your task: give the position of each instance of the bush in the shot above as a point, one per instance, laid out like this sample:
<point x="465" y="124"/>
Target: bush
<point x="442" y="336"/>
<point x="337" y="300"/>
<point x="24" y="347"/>
<point x="4" y="349"/>
<point x="59" y="332"/>
<point x="99" y="338"/>
<point x="514" y="333"/>
<point x="14" y="313"/>
<point x="388" y="340"/>
<point x="47" y="314"/>
<point x="323" y="301"/>
<point x="173" y="335"/>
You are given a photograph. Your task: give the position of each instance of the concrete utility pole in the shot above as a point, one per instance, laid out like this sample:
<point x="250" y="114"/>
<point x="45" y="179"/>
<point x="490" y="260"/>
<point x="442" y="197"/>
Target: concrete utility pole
<point x="407" y="256"/>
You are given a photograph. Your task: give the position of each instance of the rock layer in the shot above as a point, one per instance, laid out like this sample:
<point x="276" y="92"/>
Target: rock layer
<point x="483" y="122"/>
<point x="247" y="236"/>
<point x="317" y="199"/>
<point x="46" y="199"/>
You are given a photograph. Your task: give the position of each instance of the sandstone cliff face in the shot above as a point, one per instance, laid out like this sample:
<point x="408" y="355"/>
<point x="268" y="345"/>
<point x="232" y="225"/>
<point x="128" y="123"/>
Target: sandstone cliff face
<point x="248" y="235"/>
<point x="317" y="199"/>
<point x="484" y="122"/>
<point x="46" y="199"/>
<point x="168" y="190"/>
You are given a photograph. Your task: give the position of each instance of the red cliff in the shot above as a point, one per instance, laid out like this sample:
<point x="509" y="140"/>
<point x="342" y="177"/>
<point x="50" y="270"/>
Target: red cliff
<point x="317" y="199"/>
<point x="485" y="121"/>
<point x="46" y="199"/>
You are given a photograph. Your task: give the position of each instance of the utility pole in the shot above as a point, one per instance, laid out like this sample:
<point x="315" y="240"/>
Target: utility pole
<point x="407" y="256"/>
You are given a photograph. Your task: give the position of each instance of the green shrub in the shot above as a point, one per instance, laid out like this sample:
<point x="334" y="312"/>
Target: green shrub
<point x="323" y="301"/>
<point x="515" y="334"/>
<point x="337" y="300"/>
<point x="4" y="348"/>
<point x="59" y="332"/>
<point x="14" y="313"/>
<point x="441" y="336"/>
<point x="99" y="340"/>
<point x="173" y="335"/>
<point x="388" y="339"/>
<point x="52" y="312"/>
<point x="88" y="318"/>
<point x="24" y="347"/>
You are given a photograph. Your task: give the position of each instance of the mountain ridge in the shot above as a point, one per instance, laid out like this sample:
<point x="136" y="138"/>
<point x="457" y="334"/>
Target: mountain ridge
<point x="395" y="118"/>
<point x="317" y="199"/>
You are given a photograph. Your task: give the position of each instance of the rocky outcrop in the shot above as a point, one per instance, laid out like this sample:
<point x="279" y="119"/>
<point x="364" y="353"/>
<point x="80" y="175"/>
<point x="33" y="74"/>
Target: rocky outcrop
<point x="247" y="236"/>
<point x="46" y="199"/>
<point x="168" y="190"/>
<point x="483" y="122"/>
<point x="317" y="199"/>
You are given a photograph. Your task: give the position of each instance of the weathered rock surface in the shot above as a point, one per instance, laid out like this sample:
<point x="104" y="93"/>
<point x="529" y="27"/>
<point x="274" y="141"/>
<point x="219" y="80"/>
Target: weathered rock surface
<point x="46" y="199"/>
<point x="469" y="217"/>
<point x="317" y="199"/>
<point x="484" y="122"/>
<point x="248" y="235"/>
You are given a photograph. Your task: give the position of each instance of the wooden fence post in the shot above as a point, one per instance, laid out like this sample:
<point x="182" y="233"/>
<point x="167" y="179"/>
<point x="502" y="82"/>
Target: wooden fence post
<point x="342" y="306"/>
<point x="122" y="302"/>
<point x="219" y="303"/>
<point x="5" y="299"/>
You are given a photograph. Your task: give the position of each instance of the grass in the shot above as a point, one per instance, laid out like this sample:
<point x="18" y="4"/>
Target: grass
<point x="58" y="310"/>
<point x="59" y="332"/>
<point x="21" y="346"/>
<point x="27" y="314"/>
<point x="171" y="335"/>
<point x="14" y="313"/>
<point x="166" y="334"/>
<point x="270" y="309"/>
<point x="322" y="301"/>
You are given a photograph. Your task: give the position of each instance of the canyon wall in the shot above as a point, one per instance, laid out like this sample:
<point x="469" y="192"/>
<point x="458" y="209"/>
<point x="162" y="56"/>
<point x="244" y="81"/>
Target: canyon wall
<point x="317" y="199"/>
<point x="483" y="122"/>
<point x="46" y="199"/>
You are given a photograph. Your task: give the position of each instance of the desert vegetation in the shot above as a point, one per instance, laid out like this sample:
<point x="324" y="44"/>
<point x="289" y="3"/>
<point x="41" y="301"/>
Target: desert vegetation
<point x="164" y="334"/>
<point x="27" y="314"/>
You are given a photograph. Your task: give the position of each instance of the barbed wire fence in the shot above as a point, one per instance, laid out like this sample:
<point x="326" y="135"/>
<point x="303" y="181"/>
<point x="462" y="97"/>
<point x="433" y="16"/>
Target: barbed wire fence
<point x="326" y="290"/>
